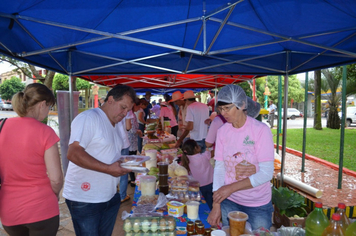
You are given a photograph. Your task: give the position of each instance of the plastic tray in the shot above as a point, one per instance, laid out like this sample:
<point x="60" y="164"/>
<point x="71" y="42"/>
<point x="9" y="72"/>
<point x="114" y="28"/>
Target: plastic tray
<point x="133" y="160"/>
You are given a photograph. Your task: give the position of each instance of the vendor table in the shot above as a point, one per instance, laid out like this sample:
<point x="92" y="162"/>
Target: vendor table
<point x="181" y="221"/>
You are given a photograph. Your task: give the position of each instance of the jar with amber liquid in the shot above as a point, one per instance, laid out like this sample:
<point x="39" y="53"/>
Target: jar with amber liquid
<point x="190" y="226"/>
<point x="197" y="222"/>
<point x="207" y="232"/>
<point x="201" y="229"/>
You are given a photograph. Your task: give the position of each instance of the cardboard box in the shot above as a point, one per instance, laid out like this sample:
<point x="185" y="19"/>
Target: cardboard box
<point x="280" y="220"/>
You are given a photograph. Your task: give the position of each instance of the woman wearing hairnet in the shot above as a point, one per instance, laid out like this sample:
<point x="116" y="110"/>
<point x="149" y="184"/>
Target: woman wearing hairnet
<point x="244" y="155"/>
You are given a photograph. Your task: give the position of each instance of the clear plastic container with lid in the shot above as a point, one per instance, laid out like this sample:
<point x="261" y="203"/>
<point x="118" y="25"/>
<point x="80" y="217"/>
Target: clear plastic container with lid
<point x="344" y="221"/>
<point x="334" y="228"/>
<point x="316" y="221"/>
<point x="148" y="185"/>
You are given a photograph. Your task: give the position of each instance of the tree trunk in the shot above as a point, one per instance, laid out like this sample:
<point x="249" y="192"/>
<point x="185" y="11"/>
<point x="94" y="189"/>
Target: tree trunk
<point x="317" y="100"/>
<point x="333" y="118"/>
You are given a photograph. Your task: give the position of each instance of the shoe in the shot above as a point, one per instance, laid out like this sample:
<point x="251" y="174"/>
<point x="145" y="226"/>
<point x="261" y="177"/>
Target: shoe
<point x="132" y="184"/>
<point x="125" y="199"/>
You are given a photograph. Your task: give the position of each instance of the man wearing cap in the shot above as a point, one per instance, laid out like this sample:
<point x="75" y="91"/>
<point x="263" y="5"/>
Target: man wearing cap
<point x="197" y="113"/>
<point x="177" y="99"/>
<point x="147" y="110"/>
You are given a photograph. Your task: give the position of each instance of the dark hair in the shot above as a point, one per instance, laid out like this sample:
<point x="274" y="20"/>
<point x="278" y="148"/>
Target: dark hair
<point x="25" y="100"/>
<point x="121" y="90"/>
<point x="191" y="99"/>
<point x="143" y="101"/>
<point x="188" y="148"/>
<point x="223" y="103"/>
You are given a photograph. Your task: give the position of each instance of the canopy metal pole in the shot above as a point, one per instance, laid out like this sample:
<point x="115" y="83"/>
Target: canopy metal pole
<point x="279" y="109"/>
<point x="71" y="115"/>
<point x="285" y="108"/>
<point x="305" y="120"/>
<point x="342" y="133"/>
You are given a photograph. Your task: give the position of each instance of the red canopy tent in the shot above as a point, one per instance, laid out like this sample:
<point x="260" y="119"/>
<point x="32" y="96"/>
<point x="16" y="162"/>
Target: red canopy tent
<point x="168" y="82"/>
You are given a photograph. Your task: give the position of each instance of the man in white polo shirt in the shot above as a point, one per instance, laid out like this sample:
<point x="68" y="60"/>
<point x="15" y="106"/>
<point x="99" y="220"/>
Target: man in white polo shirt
<point x="196" y="114"/>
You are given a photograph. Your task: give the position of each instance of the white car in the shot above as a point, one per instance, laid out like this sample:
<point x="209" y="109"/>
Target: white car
<point x="350" y="116"/>
<point x="292" y="113"/>
<point x="6" y="106"/>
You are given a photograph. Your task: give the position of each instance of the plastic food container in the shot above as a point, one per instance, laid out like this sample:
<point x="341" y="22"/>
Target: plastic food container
<point x="149" y="225"/>
<point x="148" y="185"/>
<point x="175" y="208"/>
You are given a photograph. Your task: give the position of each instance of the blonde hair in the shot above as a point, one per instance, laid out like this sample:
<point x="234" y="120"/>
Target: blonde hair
<point x="24" y="101"/>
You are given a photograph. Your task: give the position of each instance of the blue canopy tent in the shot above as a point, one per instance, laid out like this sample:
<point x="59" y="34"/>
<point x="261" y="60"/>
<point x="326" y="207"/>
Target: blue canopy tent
<point x="109" y="37"/>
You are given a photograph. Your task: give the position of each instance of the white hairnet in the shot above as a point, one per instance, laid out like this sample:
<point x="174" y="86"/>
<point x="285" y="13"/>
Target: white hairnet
<point x="236" y="95"/>
<point x="253" y="109"/>
<point x="233" y="94"/>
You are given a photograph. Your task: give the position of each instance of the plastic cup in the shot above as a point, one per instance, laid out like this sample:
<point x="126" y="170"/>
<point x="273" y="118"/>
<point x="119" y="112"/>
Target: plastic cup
<point x="163" y="179"/>
<point x="148" y="185"/>
<point x="192" y="209"/>
<point x="237" y="222"/>
<point x="163" y="167"/>
<point x="218" y="233"/>
<point x="152" y="162"/>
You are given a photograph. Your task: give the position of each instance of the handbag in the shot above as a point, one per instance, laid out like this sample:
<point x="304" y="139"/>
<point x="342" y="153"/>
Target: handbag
<point x="1" y="125"/>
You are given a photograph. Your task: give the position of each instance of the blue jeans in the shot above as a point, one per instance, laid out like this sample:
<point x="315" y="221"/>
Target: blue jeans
<point x="139" y="139"/>
<point x="124" y="179"/>
<point x="201" y="143"/>
<point x="257" y="216"/>
<point x="207" y="192"/>
<point x="94" y="219"/>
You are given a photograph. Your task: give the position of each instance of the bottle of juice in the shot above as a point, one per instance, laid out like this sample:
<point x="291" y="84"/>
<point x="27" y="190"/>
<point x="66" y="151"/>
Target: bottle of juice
<point x="351" y="229"/>
<point x="316" y="221"/>
<point x="344" y="221"/>
<point x="334" y="228"/>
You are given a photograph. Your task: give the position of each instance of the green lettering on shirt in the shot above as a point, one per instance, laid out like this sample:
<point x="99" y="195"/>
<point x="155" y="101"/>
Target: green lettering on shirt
<point x="248" y="142"/>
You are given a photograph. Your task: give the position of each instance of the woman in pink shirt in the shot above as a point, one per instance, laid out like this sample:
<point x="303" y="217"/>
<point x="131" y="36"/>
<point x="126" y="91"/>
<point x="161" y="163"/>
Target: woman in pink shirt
<point x="244" y="162"/>
<point x="198" y="165"/>
<point x="30" y="166"/>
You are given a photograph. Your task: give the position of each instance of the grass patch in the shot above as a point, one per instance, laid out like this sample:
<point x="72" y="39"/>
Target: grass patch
<point x="324" y="144"/>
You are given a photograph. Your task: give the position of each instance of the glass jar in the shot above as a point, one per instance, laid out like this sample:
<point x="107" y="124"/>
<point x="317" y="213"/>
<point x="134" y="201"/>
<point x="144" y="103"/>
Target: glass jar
<point x="214" y="228"/>
<point x="197" y="222"/>
<point x="201" y="229"/>
<point x="207" y="232"/>
<point x="190" y="226"/>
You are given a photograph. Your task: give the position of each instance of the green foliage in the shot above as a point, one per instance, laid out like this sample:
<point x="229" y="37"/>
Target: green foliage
<point x="295" y="90"/>
<point x="246" y="87"/>
<point x="9" y="87"/>
<point x="289" y="202"/>
<point x="60" y="82"/>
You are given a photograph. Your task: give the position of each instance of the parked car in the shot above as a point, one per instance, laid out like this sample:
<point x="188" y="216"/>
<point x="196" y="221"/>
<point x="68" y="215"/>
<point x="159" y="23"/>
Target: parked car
<point x="292" y="113"/>
<point x="6" y="106"/>
<point x="350" y="116"/>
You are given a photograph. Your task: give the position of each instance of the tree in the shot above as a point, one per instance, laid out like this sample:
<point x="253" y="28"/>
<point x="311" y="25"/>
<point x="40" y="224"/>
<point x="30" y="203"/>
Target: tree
<point x="334" y="99"/>
<point x="317" y="99"/>
<point x="295" y="90"/>
<point x="60" y="82"/>
<point x="9" y="87"/>
<point x="30" y="71"/>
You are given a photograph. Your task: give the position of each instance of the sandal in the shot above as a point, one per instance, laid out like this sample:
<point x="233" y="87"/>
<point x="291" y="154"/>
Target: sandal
<point x="125" y="199"/>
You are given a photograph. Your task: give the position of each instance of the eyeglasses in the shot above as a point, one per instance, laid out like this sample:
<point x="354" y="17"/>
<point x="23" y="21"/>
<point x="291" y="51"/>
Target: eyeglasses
<point x="226" y="108"/>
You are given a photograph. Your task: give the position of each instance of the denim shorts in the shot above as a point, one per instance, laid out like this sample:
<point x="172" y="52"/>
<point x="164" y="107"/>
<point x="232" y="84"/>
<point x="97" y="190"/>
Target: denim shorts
<point x="94" y="219"/>
<point x="257" y="216"/>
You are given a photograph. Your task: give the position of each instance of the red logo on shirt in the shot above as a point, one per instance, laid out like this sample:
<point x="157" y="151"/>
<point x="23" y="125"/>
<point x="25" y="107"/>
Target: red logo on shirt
<point x="85" y="186"/>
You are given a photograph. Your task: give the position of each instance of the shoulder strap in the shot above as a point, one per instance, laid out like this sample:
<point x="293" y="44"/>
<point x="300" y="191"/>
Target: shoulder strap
<point x="222" y="118"/>
<point x="2" y="123"/>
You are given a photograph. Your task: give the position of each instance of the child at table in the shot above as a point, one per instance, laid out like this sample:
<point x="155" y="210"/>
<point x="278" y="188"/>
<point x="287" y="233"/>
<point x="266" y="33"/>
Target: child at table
<point x="199" y="167"/>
